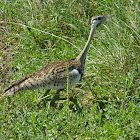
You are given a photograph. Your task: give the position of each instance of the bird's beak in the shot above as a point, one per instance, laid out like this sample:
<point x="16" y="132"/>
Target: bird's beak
<point x="103" y="19"/>
<point x="108" y="16"/>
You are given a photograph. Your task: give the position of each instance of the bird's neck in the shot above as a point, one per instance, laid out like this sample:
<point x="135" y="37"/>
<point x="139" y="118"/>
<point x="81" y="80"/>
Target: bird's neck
<point x="82" y="55"/>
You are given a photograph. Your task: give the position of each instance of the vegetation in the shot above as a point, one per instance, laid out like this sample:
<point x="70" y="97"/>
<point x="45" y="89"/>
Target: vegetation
<point x="34" y="33"/>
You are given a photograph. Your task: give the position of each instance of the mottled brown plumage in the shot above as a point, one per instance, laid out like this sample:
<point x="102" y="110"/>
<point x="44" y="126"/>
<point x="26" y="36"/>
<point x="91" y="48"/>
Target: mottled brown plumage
<point x="54" y="75"/>
<point x="51" y="76"/>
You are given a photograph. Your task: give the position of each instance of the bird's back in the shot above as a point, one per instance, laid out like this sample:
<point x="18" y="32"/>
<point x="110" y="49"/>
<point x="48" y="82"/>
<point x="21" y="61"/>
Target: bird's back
<point x="51" y="76"/>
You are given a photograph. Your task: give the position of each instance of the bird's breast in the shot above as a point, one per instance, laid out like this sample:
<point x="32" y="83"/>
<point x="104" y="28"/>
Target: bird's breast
<point x="60" y="81"/>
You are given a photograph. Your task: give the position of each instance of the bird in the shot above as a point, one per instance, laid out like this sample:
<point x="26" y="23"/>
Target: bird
<point x="53" y="76"/>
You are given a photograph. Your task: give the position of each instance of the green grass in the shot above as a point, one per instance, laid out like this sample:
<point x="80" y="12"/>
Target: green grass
<point x="34" y="33"/>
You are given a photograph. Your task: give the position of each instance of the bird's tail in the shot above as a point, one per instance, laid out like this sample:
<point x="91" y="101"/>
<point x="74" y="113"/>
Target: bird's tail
<point x="18" y="85"/>
<point x="11" y="90"/>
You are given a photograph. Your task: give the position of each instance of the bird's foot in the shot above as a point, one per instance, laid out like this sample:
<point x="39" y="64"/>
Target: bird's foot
<point x="71" y="106"/>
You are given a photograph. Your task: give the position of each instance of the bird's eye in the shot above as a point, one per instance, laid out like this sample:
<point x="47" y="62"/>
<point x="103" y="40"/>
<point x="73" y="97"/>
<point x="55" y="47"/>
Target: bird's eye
<point x="99" y="18"/>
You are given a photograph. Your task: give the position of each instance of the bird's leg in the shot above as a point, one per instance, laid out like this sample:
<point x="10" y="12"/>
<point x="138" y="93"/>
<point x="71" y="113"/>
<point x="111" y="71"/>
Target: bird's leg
<point x="74" y="100"/>
<point x="43" y="98"/>
<point x="55" y="97"/>
<point x="45" y="94"/>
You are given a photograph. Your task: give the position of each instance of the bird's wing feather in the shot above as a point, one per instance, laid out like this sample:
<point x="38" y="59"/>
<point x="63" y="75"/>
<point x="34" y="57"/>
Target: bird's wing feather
<point x="48" y="77"/>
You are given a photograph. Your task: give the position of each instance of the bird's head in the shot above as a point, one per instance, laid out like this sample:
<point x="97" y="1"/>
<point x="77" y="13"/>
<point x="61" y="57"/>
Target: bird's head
<point x="96" y="21"/>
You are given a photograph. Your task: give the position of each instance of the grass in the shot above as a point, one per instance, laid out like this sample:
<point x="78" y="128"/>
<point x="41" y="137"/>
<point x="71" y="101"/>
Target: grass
<point x="34" y="33"/>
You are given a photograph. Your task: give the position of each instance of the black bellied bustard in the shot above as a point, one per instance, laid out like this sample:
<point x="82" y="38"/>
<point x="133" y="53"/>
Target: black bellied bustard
<point x="54" y="75"/>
